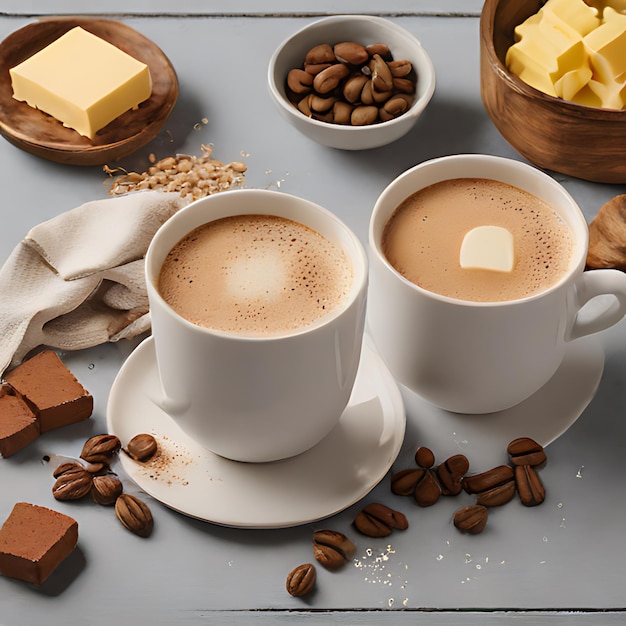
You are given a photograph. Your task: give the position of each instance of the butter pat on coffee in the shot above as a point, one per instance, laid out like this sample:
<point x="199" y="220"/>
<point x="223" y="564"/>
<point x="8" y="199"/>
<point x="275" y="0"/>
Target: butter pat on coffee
<point x="488" y="248"/>
<point x="82" y="81"/>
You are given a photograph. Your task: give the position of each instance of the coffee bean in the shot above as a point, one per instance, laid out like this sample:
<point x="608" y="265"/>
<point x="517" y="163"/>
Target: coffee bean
<point x="332" y="549"/>
<point x="471" y="519"/>
<point x="424" y="457"/>
<point x="403" y="482"/>
<point x="450" y="474"/>
<point x="427" y="490"/>
<point x="477" y="483"/>
<point x="301" y="580"/>
<point x="526" y="451"/>
<point x="529" y="486"/>
<point x="497" y="496"/>
<point x="379" y="520"/>
<point x="370" y="526"/>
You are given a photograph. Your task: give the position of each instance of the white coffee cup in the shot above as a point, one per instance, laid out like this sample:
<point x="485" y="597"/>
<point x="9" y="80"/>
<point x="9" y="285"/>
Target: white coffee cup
<point x="260" y="398"/>
<point x="482" y="357"/>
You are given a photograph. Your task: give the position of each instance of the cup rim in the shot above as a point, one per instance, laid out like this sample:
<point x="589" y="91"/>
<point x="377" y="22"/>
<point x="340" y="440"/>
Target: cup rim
<point x="384" y="208"/>
<point x="346" y="238"/>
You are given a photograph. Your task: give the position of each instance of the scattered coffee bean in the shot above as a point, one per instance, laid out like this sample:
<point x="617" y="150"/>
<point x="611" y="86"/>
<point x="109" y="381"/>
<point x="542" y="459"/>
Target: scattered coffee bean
<point x="424" y="457"/>
<point x="498" y="495"/>
<point x="419" y="482"/>
<point x="378" y="520"/>
<point x="106" y="488"/>
<point x="141" y="447"/>
<point x="471" y="519"/>
<point x="477" y="483"/>
<point x="526" y="451"/>
<point x="332" y="549"/>
<point x="450" y="474"/>
<point x="73" y="482"/>
<point x="100" y="448"/>
<point x="134" y="514"/>
<point x="77" y="478"/>
<point x="427" y="490"/>
<point x="492" y="488"/>
<point x="529" y="486"/>
<point x="404" y="481"/>
<point x="301" y="580"/>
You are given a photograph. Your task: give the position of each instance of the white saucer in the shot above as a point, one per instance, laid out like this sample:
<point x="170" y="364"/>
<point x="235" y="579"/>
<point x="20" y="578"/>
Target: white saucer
<point x="333" y="475"/>
<point x="545" y="416"/>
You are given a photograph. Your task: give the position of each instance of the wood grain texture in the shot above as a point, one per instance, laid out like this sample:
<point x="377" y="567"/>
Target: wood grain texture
<point x="585" y="142"/>
<point x="44" y="136"/>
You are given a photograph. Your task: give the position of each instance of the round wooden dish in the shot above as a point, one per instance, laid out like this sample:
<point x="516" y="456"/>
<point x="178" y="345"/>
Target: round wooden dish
<point x="584" y="142"/>
<point x="42" y="135"/>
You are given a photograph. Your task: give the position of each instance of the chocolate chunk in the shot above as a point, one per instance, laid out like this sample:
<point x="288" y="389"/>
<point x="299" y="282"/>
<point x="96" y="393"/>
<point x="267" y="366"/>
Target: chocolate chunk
<point x="51" y="390"/>
<point x="34" y="540"/>
<point x="18" y="423"/>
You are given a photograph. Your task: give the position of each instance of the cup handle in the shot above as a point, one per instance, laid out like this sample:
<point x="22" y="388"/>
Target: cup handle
<point x="594" y="283"/>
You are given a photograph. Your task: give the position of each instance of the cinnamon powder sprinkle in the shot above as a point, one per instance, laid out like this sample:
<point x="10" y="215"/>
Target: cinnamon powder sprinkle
<point x="168" y="464"/>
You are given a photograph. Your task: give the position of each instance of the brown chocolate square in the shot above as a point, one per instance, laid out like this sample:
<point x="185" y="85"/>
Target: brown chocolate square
<point x="34" y="540"/>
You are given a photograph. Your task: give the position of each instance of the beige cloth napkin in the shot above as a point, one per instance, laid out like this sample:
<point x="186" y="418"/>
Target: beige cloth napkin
<point x="77" y="280"/>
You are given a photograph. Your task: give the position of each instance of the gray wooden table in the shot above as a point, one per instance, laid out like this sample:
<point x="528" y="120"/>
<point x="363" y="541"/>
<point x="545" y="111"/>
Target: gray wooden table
<point x="564" y="561"/>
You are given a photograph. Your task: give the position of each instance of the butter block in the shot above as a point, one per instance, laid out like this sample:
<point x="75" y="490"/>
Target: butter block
<point x="611" y="95"/>
<point x="587" y="97"/>
<point x="618" y="5"/>
<point x="488" y="248"/>
<point x="531" y="71"/>
<point x="576" y="15"/>
<point x="607" y="46"/>
<point x="545" y="52"/>
<point x="82" y="81"/>
<point x="572" y="82"/>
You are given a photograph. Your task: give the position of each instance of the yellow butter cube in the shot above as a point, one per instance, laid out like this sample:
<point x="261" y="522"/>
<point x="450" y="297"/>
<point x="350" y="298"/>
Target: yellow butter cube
<point x="572" y="82"/>
<point x="587" y="97"/>
<point x="531" y="71"/>
<point x="612" y="95"/>
<point x="606" y="46"/>
<point x="571" y="14"/>
<point x="82" y="81"/>
<point x="544" y="54"/>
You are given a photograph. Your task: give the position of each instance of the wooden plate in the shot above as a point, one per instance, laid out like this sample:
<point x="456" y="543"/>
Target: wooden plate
<point x="42" y="135"/>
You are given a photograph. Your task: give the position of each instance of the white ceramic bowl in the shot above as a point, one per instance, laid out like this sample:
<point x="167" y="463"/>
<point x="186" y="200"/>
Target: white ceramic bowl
<point x="366" y="30"/>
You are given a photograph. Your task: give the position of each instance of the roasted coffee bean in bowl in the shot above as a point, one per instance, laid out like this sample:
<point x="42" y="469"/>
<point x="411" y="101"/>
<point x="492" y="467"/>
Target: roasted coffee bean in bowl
<point x="352" y="82"/>
<point x="570" y="119"/>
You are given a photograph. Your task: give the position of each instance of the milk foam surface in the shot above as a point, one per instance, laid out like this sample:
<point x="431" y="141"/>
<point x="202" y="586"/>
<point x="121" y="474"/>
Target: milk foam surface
<point x="423" y="237"/>
<point x="255" y="275"/>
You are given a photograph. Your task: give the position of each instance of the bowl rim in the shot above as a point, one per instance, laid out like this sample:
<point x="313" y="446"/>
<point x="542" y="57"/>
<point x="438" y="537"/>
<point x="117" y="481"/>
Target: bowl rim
<point x="574" y="109"/>
<point x="414" y="111"/>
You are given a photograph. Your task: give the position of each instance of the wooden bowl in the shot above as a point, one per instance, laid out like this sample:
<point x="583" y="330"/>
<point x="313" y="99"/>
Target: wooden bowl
<point x="42" y="135"/>
<point x="585" y="142"/>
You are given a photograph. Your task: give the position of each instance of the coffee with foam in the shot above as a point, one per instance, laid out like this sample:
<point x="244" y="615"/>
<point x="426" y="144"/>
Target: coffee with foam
<point x="256" y="275"/>
<point x="423" y="237"/>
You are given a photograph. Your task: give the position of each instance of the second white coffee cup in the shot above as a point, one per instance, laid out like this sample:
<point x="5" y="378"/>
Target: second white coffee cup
<point x="481" y="357"/>
<point x="267" y="397"/>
